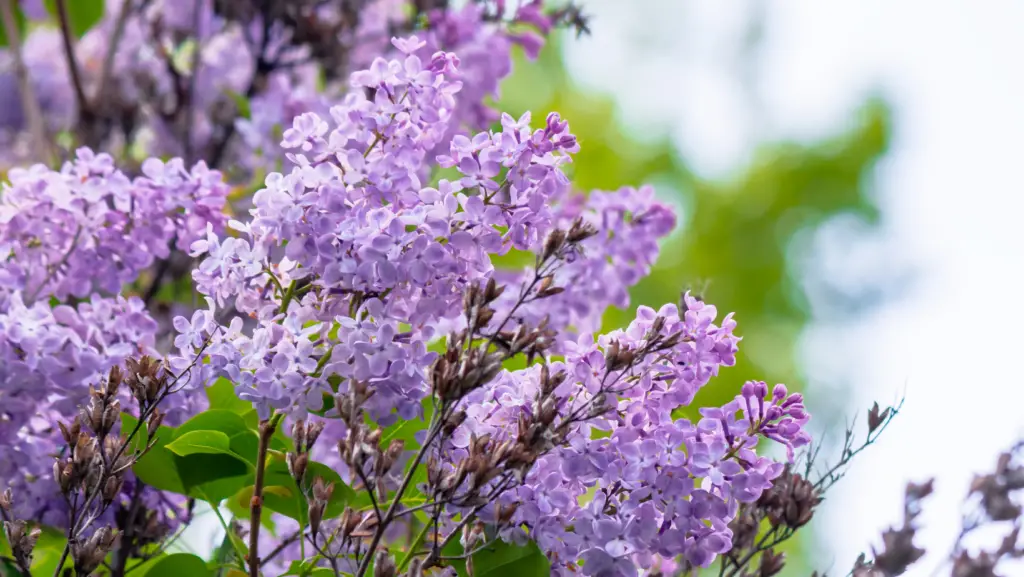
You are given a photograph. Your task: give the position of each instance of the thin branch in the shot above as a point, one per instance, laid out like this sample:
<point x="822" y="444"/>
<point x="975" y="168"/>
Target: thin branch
<point x="267" y="429"/>
<point x="33" y="114"/>
<point x="76" y="524"/>
<point x="52" y="272"/>
<point x="378" y="534"/>
<point x="262" y="67"/>
<point x="369" y="491"/>
<point x="125" y="548"/>
<point x="115" y="40"/>
<point x="283" y="545"/>
<point x="69" y="53"/>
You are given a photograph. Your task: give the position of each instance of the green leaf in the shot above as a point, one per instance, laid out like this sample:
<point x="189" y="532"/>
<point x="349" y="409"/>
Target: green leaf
<point x="506" y="560"/>
<point x="307" y="568"/>
<point x="19" y="20"/>
<point x="179" y="565"/>
<point x="222" y="396"/>
<point x="82" y="14"/>
<point x="279" y="442"/>
<point x="281" y="495"/>
<point x="247" y="446"/>
<point x="221" y="420"/>
<point x="156" y="468"/>
<point x="213" y="477"/>
<point x="5" y="547"/>
<point x="47" y="552"/>
<point x="141" y="566"/>
<point x="200" y="442"/>
<point x="407" y="430"/>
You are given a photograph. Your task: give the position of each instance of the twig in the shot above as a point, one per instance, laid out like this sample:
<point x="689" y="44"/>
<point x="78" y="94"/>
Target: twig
<point x="282" y="545"/>
<point x="378" y="534"/>
<point x="33" y="113"/>
<point x="115" y="40"/>
<point x="829" y="478"/>
<point x="76" y="524"/>
<point x="267" y="429"/>
<point x="69" y="53"/>
<point x="52" y="271"/>
<point x="369" y="491"/>
<point x="162" y="268"/>
<point x="124" y="550"/>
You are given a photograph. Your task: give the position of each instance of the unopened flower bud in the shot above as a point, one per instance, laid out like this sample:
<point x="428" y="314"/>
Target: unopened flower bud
<point x="297" y="464"/>
<point x="299" y="435"/>
<point x="22" y="540"/>
<point x="89" y="553"/>
<point x="321" y="495"/>
<point x="384" y="565"/>
<point x="111" y="489"/>
<point x="313" y="431"/>
<point x="553" y="244"/>
<point x="156" y="418"/>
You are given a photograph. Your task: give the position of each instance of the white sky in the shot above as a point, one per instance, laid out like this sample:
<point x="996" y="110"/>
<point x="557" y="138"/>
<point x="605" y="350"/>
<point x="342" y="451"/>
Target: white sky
<point x="949" y="189"/>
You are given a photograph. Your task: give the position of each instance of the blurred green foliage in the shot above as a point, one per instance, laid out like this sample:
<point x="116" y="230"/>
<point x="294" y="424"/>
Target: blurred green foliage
<point x="734" y="235"/>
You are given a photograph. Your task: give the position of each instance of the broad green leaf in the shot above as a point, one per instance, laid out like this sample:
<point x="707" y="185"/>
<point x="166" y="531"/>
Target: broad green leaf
<point x="142" y="566"/>
<point x="507" y="560"/>
<point x="200" y="442"/>
<point x="222" y="396"/>
<point x="179" y="565"/>
<point x="224" y="421"/>
<point x="209" y="467"/>
<point x="157" y="468"/>
<point x="247" y="446"/>
<point x="82" y="14"/>
<point x="47" y="552"/>
<point x="501" y="559"/>
<point x="7" y="566"/>
<point x="213" y="477"/>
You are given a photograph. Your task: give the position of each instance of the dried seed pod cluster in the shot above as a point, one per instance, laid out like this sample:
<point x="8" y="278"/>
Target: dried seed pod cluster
<point x="91" y="473"/>
<point x="304" y="436"/>
<point x="21" y="537"/>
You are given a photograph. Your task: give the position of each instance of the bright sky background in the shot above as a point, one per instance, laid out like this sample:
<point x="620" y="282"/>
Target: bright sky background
<point x="950" y="191"/>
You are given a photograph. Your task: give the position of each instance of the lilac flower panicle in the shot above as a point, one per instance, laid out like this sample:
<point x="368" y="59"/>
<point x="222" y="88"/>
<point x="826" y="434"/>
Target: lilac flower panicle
<point x="355" y="262"/>
<point x="90" y="228"/>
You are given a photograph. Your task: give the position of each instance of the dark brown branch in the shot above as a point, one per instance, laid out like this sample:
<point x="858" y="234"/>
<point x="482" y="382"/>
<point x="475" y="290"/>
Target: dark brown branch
<point x="84" y="108"/>
<point x="267" y="429"/>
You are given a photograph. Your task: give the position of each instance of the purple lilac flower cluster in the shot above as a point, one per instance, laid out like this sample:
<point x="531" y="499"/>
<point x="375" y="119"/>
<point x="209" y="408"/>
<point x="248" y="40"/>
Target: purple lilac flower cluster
<point x="368" y="241"/>
<point x="630" y="497"/>
<point x="351" y="266"/>
<point x="356" y="262"/>
<point x="184" y="106"/>
<point x="69" y="241"/>
<point x="90" y="228"/>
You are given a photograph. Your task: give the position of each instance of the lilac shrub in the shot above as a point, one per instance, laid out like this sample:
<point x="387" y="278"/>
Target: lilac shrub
<point x="356" y="381"/>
